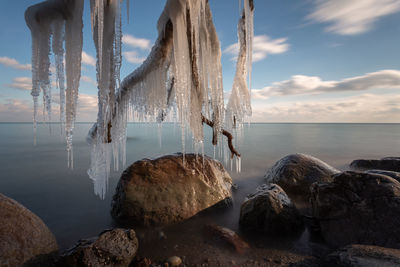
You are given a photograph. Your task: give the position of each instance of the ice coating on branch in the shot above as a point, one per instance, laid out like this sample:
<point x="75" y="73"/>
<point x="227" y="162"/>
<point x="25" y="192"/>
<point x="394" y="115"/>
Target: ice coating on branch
<point x="51" y="23"/>
<point x="182" y="75"/>
<point x="239" y="105"/>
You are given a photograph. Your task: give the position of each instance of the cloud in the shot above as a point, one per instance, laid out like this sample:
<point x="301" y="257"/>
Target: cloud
<point x="262" y="47"/>
<point x="21" y="83"/>
<point x="88" y="59"/>
<point x="349" y="17"/>
<point x="11" y="62"/>
<point x="132" y="57"/>
<point x="136" y="42"/>
<point x="88" y="80"/>
<point x="360" y="108"/>
<point x="301" y="84"/>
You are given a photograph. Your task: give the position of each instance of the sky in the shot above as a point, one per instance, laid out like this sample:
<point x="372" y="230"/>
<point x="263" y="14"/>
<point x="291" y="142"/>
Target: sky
<point x="313" y="60"/>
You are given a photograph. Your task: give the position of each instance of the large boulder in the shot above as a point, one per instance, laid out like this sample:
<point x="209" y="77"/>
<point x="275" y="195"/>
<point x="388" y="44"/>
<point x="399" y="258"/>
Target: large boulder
<point x="167" y="190"/>
<point x="388" y="164"/>
<point x="270" y="210"/>
<point x="361" y="208"/>
<point x="115" y="247"/>
<point x="363" y="256"/>
<point x="295" y="173"/>
<point x="23" y="235"/>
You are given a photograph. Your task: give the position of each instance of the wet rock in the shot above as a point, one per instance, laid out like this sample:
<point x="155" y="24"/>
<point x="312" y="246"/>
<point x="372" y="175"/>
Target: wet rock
<point x="115" y="247"/>
<point x="358" y="208"/>
<point x="23" y="235"/>
<point x="363" y="256"/>
<point x="270" y="210"/>
<point x="228" y="236"/>
<point x="388" y="164"/>
<point x="164" y="190"/>
<point x="394" y="175"/>
<point x="295" y="173"/>
<point x="174" y="261"/>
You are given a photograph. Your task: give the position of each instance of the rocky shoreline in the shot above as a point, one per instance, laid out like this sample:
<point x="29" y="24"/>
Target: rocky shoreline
<point x="349" y="218"/>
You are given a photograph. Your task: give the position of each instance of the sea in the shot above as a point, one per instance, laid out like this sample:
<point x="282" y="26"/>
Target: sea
<point x="37" y="176"/>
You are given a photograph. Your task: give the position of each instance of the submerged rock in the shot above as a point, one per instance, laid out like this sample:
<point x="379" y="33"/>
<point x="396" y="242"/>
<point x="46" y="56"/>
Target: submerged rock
<point x="166" y="190"/>
<point x="23" y="235"/>
<point x="295" y="173"/>
<point x="363" y="256"/>
<point x="115" y="247"/>
<point x="229" y="237"/>
<point x="270" y="210"/>
<point x="358" y="208"/>
<point x="388" y="164"/>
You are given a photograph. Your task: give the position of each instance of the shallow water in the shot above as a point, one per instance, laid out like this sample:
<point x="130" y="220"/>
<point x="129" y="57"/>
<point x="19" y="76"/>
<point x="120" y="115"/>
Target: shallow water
<point x="38" y="176"/>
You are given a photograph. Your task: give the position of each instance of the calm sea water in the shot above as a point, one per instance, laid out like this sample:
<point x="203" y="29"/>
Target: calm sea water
<point x="38" y="176"/>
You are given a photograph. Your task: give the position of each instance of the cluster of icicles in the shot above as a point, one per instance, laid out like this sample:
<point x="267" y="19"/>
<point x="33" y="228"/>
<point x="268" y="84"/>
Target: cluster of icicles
<point x="181" y="80"/>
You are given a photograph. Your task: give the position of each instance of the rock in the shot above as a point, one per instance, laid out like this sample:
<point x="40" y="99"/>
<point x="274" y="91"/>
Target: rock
<point x="164" y="190"/>
<point x="388" y="164"/>
<point x="115" y="247"/>
<point x="229" y="237"/>
<point x="174" y="261"/>
<point x="23" y="235"/>
<point x="394" y="175"/>
<point x="270" y="210"/>
<point x="363" y="256"/>
<point x="358" y="208"/>
<point x="295" y="173"/>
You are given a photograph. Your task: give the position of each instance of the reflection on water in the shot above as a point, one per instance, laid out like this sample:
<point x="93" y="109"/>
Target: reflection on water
<point x="38" y="177"/>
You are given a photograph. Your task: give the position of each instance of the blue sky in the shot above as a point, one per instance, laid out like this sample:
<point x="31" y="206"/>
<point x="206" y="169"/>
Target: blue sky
<point x="315" y="60"/>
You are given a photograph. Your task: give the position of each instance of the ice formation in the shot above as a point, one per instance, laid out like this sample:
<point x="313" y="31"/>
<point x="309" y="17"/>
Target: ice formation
<point x="239" y="105"/>
<point x="53" y="23"/>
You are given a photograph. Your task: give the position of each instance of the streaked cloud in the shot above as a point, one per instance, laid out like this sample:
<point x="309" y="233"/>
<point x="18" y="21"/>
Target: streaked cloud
<point x="136" y="42"/>
<point x="88" y="80"/>
<point x="349" y="17"/>
<point x="133" y="57"/>
<point x="21" y="83"/>
<point x="361" y="108"/>
<point x="88" y="59"/>
<point x="262" y="47"/>
<point x="302" y="84"/>
<point x="13" y="63"/>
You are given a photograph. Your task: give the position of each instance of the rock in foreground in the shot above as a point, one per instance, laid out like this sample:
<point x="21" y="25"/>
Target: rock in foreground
<point x="363" y="256"/>
<point x="295" y="173"/>
<point x="115" y="247"/>
<point x="23" y="235"/>
<point x="164" y="190"/>
<point x="388" y="164"/>
<point x="270" y="210"/>
<point x="358" y="208"/>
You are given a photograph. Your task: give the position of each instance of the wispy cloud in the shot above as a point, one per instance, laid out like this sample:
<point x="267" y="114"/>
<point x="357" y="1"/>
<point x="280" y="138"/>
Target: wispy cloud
<point x="13" y="63"/>
<point x="88" y="59"/>
<point x="360" y="108"/>
<point x="301" y="84"/>
<point x="262" y="47"/>
<point x="88" y="80"/>
<point x="133" y="57"/>
<point x="349" y="17"/>
<point x="136" y="42"/>
<point x="21" y="83"/>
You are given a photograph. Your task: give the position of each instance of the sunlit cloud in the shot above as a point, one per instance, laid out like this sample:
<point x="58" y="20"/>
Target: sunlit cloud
<point x="88" y="59"/>
<point x="302" y="84"/>
<point x="133" y="57"/>
<point x="135" y="42"/>
<point x="88" y="80"/>
<point x="13" y="63"/>
<point x="21" y="83"/>
<point x="262" y="47"/>
<point x="349" y="17"/>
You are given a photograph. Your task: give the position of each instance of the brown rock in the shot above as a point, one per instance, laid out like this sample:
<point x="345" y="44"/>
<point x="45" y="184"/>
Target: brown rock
<point x="358" y="208"/>
<point x="115" y="247"/>
<point x="229" y="237"/>
<point x="164" y="190"/>
<point x="388" y="164"/>
<point x="297" y="172"/>
<point x="23" y="235"/>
